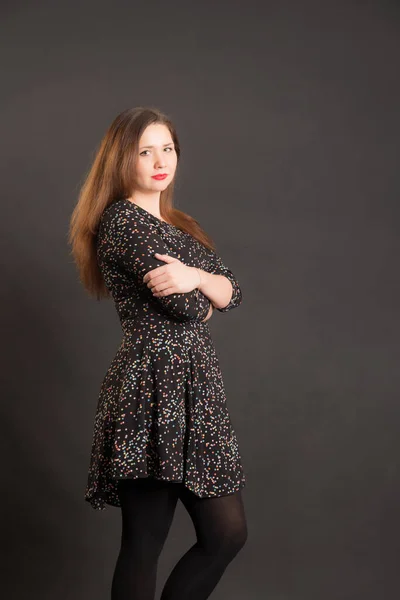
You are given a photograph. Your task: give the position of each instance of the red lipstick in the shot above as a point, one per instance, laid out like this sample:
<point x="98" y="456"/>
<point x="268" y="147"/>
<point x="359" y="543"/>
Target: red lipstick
<point x="160" y="177"/>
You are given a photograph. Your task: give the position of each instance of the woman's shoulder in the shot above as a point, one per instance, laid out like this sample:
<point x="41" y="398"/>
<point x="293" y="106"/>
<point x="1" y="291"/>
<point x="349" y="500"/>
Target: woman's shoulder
<point x="119" y="212"/>
<point x="116" y="207"/>
<point x="121" y="219"/>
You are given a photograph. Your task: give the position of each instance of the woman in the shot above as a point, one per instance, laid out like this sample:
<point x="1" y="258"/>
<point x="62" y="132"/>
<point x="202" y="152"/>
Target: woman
<point x="162" y="429"/>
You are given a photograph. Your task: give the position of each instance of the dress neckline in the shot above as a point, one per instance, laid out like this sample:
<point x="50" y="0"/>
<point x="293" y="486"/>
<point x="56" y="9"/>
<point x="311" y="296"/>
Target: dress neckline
<point x="149" y="214"/>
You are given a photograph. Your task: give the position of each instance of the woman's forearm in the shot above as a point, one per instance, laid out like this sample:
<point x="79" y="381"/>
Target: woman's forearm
<point x="217" y="288"/>
<point x="210" y="312"/>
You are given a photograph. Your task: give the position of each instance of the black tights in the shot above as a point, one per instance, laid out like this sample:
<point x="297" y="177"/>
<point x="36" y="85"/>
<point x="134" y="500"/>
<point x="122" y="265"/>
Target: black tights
<point x="148" y="507"/>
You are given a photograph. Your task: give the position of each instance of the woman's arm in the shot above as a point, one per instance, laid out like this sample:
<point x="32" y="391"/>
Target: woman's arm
<point x="210" y="312"/>
<point x="133" y="245"/>
<point x="219" y="284"/>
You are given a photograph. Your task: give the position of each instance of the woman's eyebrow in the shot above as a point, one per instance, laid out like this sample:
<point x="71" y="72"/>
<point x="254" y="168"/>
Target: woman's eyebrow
<point x="153" y="146"/>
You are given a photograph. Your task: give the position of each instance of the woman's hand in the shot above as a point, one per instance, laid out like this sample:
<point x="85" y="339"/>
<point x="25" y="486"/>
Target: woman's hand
<point x="172" y="278"/>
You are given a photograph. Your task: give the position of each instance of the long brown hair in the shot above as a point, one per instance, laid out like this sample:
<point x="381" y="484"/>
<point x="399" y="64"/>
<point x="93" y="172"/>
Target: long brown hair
<point x="112" y="177"/>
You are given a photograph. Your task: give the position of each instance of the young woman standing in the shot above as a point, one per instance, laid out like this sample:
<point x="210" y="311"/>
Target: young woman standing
<point x="162" y="429"/>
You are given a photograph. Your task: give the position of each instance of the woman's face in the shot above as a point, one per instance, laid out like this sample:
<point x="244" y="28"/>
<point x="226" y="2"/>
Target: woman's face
<point x="156" y="156"/>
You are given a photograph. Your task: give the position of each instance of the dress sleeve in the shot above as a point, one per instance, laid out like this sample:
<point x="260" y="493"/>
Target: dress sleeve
<point x="134" y="243"/>
<point x="217" y="267"/>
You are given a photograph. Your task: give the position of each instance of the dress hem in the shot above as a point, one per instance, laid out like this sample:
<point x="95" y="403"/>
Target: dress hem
<point x="101" y="500"/>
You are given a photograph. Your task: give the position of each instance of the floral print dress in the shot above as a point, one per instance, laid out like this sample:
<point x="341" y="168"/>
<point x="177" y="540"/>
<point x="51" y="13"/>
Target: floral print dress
<point x="162" y="409"/>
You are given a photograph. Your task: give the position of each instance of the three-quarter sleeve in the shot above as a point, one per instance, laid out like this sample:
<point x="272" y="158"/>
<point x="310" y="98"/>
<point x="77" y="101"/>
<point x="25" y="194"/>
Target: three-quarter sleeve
<point x="134" y="244"/>
<point x="217" y="267"/>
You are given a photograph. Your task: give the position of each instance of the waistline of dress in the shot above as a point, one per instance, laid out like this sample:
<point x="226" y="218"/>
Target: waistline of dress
<point x="142" y="323"/>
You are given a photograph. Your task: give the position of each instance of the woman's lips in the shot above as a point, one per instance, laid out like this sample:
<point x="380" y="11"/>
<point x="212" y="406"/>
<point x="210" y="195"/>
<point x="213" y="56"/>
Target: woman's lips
<point x="160" y="176"/>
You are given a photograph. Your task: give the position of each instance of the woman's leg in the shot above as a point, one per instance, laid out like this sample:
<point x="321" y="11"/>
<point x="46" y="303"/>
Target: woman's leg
<point x="221" y="531"/>
<point x="147" y="507"/>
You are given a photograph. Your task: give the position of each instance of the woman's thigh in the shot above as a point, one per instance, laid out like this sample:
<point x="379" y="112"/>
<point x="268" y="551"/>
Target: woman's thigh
<point x="220" y="522"/>
<point x="147" y="507"/>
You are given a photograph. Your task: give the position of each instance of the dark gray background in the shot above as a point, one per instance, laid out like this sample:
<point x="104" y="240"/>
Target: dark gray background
<point x="288" y="115"/>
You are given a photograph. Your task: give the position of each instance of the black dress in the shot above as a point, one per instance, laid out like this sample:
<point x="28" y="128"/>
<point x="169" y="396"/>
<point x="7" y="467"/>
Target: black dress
<point x="162" y="409"/>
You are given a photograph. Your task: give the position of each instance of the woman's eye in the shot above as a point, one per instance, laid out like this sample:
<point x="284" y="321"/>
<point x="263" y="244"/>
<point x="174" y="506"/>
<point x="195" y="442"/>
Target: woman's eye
<point x="168" y="148"/>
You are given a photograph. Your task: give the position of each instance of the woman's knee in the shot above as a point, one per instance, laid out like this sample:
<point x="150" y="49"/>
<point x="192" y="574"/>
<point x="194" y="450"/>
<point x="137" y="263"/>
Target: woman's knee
<point x="235" y="540"/>
<point x="228" y="542"/>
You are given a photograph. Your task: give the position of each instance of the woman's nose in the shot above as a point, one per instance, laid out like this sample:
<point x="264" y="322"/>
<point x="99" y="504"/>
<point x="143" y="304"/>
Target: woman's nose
<point x="160" y="160"/>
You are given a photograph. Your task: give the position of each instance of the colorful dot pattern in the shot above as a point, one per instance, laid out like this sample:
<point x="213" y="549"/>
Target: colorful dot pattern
<point x="162" y="409"/>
